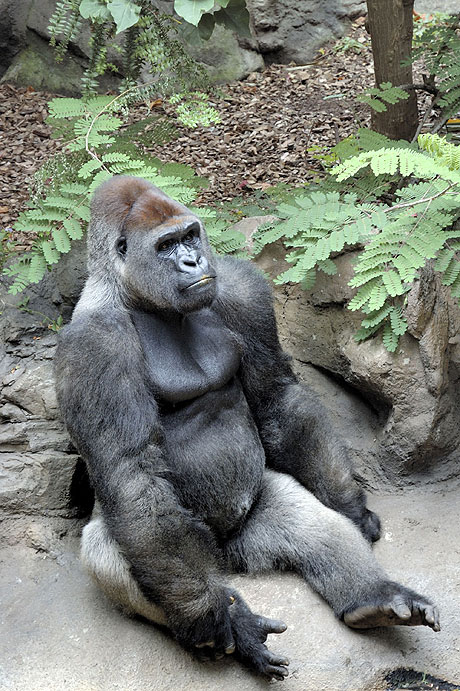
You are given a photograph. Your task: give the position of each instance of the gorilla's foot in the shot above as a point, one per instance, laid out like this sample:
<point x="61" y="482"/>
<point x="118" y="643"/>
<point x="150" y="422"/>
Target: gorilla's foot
<point x="394" y="605"/>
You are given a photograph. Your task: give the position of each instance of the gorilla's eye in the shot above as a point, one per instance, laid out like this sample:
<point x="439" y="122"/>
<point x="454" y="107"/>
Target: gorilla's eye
<point x="122" y="245"/>
<point x="166" y="245"/>
<point x="190" y="237"/>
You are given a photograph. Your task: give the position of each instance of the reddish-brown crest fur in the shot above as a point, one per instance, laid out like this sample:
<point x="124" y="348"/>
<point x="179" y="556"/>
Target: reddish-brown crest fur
<point x="140" y="204"/>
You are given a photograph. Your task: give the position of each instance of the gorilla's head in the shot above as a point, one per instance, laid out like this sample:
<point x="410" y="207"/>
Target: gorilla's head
<point x="156" y="248"/>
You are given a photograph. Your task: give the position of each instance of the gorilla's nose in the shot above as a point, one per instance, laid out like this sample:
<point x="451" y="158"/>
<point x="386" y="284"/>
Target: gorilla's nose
<point x="192" y="263"/>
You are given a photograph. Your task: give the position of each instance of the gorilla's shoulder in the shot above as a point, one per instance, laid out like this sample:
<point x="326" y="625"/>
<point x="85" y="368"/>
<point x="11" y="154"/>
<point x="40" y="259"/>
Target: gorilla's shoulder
<point x="97" y="331"/>
<point x="239" y="280"/>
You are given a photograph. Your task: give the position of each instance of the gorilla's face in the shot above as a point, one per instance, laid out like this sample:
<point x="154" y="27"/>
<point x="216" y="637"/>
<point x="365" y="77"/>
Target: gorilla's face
<point x="167" y="267"/>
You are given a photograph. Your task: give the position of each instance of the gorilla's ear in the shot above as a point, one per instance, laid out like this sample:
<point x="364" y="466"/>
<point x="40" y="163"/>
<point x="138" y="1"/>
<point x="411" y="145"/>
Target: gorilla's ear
<point x="122" y="246"/>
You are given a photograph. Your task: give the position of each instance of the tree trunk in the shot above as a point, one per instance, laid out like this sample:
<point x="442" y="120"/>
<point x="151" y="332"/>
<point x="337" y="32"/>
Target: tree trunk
<point x="390" y="27"/>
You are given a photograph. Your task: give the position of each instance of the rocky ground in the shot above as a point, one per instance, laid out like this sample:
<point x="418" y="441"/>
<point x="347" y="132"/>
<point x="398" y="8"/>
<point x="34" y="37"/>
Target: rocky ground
<point x="63" y="634"/>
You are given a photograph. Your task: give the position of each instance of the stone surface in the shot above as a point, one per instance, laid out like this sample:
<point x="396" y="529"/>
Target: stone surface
<point x="287" y="30"/>
<point x="224" y="59"/>
<point x="37" y="462"/>
<point x="59" y="632"/>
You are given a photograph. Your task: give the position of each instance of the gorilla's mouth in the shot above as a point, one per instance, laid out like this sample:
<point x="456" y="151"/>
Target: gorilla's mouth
<point x="201" y="281"/>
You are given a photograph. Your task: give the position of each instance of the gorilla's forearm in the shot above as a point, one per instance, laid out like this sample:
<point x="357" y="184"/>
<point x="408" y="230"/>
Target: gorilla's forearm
<point x="169" y="550"/>
<point x="294" y="427"/>
<point x="113" y="421"/>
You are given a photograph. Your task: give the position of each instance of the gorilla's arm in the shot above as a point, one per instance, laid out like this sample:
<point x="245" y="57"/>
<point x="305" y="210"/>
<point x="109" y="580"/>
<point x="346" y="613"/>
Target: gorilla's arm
<point x="112" y="418"/>
<point x="293" y="425"/>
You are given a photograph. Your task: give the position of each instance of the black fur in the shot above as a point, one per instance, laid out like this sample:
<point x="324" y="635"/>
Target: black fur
<point x="174" y="388"/>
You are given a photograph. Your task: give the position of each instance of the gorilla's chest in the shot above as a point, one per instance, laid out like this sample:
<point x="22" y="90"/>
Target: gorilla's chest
<point x="186" y="356"/>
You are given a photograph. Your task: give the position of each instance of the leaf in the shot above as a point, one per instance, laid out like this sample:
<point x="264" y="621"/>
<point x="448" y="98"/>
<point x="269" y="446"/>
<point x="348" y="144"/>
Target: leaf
<point x="88" y="168"/>
<point x="192" y="10"/>
<point x="390" y="338"/>
<point x="66" y="107"/>
<point x="50" y="253"/>
<point x="94" y="9"/>
<point x="308" y="281"/>
<point x="61" y="240"/>
<point x="124" y="13"/>
<point x="443" y="259"/>
<point x="73" y="228"/>
<point x="392" y="283"/>
<point x="376" y="317"/>
<point x="398" y="323"/>
<point x="206" y="26"/>
<point x="235" y="17"/>
<point x="37" y="268"/>
<point x="327" y="266"/>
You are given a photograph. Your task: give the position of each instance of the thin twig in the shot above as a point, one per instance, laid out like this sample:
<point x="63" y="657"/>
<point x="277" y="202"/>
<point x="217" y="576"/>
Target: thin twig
<point x="420" y="201"/>
<point x="425" y="117"/>
<point x="420" y="87"/>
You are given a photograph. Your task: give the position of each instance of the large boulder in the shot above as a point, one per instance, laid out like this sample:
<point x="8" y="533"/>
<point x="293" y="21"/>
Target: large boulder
<point x="410" y="415"/>
<point x="287" y="30"/>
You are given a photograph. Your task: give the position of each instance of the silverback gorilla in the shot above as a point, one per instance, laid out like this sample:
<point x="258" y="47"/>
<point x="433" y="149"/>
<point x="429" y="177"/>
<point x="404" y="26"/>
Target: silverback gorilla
<point x="206" y="454"/>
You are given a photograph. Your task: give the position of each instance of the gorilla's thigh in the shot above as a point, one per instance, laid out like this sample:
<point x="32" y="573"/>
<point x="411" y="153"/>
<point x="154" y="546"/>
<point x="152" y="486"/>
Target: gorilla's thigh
<point x="104" y="560"/>
<point x="290" y="529"/>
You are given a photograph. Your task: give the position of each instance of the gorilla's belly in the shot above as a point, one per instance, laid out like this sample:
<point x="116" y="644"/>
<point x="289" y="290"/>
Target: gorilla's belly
<point x="215" y="456"/>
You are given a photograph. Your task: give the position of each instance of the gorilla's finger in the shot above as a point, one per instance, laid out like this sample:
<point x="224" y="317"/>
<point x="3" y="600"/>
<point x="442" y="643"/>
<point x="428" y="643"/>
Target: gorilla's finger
<point x="401" y="610"/>
<point x="431" y="617"/>
<point x="279" y="673"/>
<point x="272" y="625"/>
<point x="209" y="644"/>
<point x="276" y="660"/>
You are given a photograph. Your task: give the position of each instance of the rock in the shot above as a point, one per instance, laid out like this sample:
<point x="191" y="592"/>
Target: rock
<point x="224" y="59"/>
<point x="411" y="396"/>
<point x="36" y="66"/>
<point x="282" y="31"/>
<point x="38" y="466"/>
<point x="287" y="30"/>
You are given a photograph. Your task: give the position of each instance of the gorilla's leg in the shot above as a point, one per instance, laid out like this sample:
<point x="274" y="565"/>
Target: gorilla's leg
<point x="290" y="529"/>
<point x="103" y="558"/>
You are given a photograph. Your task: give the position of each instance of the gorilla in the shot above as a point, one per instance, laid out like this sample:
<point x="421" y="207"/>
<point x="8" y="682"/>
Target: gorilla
<point x="206" y="454"/>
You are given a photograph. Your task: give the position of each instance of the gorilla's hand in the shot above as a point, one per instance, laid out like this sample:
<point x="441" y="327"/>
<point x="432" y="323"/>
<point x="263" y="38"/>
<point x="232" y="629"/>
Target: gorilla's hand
<point x="209" y="632"/>
<point x="250" y="632"/>
<point x="369" y="525"/>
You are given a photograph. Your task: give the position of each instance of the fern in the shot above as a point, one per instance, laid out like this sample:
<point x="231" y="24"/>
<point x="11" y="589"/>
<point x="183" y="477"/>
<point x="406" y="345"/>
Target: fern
<point x="394" y="241"/>
<point x="60" y="210"/>
<point x="377" y="97"/>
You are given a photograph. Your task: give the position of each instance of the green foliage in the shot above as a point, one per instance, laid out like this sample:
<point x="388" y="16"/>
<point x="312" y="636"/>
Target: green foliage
<point x="203" y="15"/>
<point x="348" y="45"/>
<point x="59" y="208"/>
<point x="437" y="42"/>
<point x="394" y="239"/>
<point x="147" y="38"/>
<point x="6" y="246"/>
<point x="377" y="97"/>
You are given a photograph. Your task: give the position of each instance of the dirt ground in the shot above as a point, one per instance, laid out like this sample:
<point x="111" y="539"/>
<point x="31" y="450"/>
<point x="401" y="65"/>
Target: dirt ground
<point x="60" y="633"/>
<point x="271" y="123"/>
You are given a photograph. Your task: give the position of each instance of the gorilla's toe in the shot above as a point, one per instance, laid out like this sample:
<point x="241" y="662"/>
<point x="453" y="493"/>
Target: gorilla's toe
<point x="403" y="607"/>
